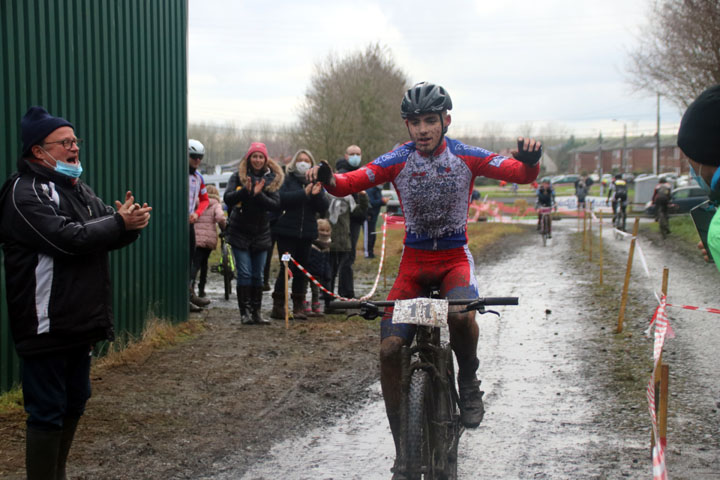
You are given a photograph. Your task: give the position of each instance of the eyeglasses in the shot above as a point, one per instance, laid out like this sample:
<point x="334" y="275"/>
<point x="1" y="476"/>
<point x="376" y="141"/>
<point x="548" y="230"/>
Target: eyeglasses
<point x="67" y="143"/>
<point x="195" y="156"/>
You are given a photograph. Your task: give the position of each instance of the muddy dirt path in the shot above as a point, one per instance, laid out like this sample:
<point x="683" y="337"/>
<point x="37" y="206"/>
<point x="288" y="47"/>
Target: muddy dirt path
<point x="565" y="395"/>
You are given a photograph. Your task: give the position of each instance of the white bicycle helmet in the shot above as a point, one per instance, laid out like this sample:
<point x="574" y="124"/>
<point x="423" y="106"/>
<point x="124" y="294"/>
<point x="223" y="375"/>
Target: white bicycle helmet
<point x="195" y="147"/>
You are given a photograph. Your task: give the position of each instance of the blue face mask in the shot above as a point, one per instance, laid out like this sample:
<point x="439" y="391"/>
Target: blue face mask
<point x="354" y="160"/>
<point x="67" y="169"/>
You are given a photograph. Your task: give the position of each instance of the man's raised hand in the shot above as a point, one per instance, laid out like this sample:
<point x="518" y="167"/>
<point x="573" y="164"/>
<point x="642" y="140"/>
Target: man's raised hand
<point x="529" y="151"/>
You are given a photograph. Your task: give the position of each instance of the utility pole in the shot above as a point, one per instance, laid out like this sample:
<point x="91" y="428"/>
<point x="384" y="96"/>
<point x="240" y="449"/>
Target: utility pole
<point x="624" y="152"/>
<point x="656" y="164"/>
<point x="600" y="165"/>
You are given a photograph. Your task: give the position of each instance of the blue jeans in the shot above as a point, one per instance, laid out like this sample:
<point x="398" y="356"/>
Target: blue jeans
<point x="55" y="386"/>
<point x="250" y="266"/>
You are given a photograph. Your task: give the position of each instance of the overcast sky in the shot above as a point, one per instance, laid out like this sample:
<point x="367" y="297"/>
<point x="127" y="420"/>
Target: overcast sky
<point x="509" y="62"/>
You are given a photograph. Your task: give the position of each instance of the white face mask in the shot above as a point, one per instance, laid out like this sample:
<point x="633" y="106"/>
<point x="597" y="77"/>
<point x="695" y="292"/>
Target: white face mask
<point x="302" y="167"/>
<point x="354" y="160"/>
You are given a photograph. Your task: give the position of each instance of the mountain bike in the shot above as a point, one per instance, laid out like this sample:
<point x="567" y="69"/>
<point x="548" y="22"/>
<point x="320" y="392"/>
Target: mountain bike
<point x="619" y="220"/>
<point x="545" y="223"/>
<point x="226" y="267"/>
<point x="430" y="418"/>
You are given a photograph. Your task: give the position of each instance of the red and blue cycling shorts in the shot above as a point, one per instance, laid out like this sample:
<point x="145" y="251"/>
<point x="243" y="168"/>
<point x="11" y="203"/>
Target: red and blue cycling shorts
<point x="453" y="271"/>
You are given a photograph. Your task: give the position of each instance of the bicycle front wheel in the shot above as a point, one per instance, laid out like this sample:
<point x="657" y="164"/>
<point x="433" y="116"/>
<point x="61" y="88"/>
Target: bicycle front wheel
<point x="418" y="440"/>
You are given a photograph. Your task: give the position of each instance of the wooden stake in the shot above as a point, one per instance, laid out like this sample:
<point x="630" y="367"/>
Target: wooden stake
<point x="590" y="237"/>
<point x="287" y="314"/>
<point x="584" y="229"/>
<point x="600" y="241"/>
<point x="626" y="285"/>
<point x="661" y="379"/>
<point x="663" y="405"/>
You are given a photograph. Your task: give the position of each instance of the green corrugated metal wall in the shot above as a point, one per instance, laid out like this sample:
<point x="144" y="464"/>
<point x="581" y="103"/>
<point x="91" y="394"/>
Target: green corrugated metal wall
<point x="117" y="70"/>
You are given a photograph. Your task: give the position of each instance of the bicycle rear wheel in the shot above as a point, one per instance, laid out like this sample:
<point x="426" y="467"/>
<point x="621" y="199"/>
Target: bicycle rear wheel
<point x="418" y="439"/>
<point x="227" y="270"/>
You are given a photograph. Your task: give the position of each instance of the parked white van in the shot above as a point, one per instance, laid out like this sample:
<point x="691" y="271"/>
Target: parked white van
<point x="220" y="181"/>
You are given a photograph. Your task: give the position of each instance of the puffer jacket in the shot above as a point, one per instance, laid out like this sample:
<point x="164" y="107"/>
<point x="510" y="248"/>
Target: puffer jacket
<point x="206" y="235"/>
<point x="299" y="219"/>
<point x="56" y="234"/>
<point x="249" y="221"/>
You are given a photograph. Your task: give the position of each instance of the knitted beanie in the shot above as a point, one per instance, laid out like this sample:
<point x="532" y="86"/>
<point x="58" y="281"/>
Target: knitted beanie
<point x="38" y="124"/>
<point x="699" y="133"/>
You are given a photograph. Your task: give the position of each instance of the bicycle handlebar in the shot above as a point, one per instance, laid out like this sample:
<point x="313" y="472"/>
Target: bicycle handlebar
<point x="478" y="302"/>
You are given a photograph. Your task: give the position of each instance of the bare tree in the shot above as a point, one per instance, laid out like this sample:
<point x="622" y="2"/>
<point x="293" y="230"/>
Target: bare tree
<point x="679" y="51"/>
<point x="353" y="100"/>
<point x="227" y="143"/>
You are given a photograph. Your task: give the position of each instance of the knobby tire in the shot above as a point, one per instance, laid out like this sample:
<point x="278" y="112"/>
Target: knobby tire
<point x="419" y="413"/>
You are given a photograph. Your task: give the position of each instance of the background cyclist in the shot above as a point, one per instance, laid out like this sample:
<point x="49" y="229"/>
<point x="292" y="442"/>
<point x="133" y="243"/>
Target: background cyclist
<point x="545" y="199"/>
<point x="434" y="178"/>
<point x="661" y="200"/>
<point x="619" y="192"/>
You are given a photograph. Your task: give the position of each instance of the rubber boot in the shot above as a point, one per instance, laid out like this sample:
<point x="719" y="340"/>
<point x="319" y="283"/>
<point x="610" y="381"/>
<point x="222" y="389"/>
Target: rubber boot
<point x="41" y="453"/>
<point x="201" y="288"/>
<point x="298" y="303"/>
<point x="195" y="300"/>
<point x="256" y="294"/>
<point x="68" y="433"/>
<point x="243" y="296"/>
<point x="278" y="309"/>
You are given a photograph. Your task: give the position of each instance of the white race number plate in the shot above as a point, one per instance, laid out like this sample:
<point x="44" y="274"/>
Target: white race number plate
<point x="430" y="312"/>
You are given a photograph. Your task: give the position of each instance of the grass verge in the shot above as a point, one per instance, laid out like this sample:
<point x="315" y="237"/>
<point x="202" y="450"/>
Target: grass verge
<point x="158" y="334"/>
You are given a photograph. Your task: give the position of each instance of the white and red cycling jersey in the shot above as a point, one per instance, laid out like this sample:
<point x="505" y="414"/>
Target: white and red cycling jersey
<point x="198" y="199"/>
<point x="434" y="190"/>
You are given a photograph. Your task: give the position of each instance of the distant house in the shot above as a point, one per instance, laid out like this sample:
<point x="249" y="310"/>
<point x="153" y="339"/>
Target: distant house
<point x="639" y="154"/>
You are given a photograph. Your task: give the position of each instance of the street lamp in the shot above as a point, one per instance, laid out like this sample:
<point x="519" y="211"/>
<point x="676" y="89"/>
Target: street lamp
<point x="623" y="159"/>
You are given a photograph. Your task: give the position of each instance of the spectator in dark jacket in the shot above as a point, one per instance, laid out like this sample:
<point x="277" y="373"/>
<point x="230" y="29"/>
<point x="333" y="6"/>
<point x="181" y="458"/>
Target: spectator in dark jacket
<point x="351" y="162"/>
<point x="56" y="235"/>
<point x="296" y="229"/>
<point x="341" y="212"/>
<point x="252" y="193"/>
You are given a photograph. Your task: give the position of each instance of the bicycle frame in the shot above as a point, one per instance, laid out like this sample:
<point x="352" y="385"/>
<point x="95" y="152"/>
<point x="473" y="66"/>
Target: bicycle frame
<point x="440" y="410"/>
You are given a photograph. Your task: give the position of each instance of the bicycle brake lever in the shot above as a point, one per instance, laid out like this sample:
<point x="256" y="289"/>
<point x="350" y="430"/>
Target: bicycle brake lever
<point x="483" y="312"/>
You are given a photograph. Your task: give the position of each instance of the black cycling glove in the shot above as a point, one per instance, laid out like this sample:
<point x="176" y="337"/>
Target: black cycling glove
<point x="324" y="173"/>
<point x="527" y="157"/>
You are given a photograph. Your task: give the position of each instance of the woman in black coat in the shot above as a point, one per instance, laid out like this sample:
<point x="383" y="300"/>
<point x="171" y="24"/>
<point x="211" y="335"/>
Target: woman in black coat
<point x="252" y="193"/>
<point x="297" y="228"/>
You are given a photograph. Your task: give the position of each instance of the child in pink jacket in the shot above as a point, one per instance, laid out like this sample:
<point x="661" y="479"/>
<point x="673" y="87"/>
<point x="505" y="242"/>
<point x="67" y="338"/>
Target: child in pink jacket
<point x="206" y="237"/>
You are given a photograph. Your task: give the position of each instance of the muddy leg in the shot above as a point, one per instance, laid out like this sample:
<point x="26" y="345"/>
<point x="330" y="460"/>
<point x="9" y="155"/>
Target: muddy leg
<point x="464" y="339"/>
<point x="390" y="371"/>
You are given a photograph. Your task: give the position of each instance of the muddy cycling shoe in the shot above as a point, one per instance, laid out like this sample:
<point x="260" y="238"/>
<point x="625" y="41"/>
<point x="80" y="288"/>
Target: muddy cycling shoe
<point x="472" y="409"/>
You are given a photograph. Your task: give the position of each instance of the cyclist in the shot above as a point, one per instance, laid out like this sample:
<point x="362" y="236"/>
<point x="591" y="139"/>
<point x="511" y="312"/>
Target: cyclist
<point x="661" y="199"/>
<point x="619" y="192"/>
<point x="198" y="201"/>
<point x="434" y="177"/>
<point x="545" y="199"/>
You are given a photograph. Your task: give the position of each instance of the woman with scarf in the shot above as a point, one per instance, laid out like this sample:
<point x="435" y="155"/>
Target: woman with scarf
<point x="296" y="229"/>
<point x="252" y="192"/>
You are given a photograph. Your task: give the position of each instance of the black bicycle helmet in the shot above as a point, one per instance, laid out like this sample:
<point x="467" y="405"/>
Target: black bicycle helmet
<point x="424" y="98"/>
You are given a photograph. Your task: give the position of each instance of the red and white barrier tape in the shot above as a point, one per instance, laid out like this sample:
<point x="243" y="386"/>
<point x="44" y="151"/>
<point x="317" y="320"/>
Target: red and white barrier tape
<point x="662" y="325"/>
<point x="377" y="277"/>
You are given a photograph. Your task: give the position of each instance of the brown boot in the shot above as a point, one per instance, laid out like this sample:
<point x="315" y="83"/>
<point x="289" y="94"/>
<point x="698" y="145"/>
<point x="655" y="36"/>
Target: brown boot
<point x="278" y="310"/>
<point x="298" y="304"/>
